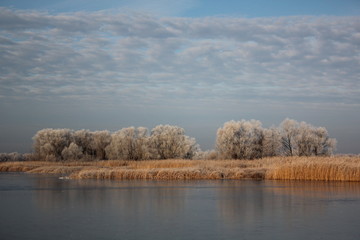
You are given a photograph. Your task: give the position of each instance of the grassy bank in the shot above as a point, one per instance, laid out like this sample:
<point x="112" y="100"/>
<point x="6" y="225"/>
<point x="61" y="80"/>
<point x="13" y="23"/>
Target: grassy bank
<point x="280" y="168"/>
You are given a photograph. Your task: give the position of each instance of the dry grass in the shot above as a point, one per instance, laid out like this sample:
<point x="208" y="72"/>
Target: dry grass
<point x="281" y="168"/>
<point x="316" y="168"/>
<point x="56" y="169"/>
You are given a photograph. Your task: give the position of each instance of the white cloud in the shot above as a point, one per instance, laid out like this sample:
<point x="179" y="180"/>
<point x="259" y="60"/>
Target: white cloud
<point x="135" y="58"/>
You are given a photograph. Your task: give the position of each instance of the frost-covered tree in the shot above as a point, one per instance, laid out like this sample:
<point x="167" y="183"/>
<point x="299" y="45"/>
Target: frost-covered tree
<point x="29" y="157"/>
<point x="84" y="139"/>
<point x="240" y="140"/>
<point x="4" y="157"/>
<point x="205" y="155"/>
<point x="191" y="147"/>
<point x="128" y="143"/>
<point x="47" y="153"/>
<point x="303" y="139"/>
<point x="72" y="152"/>
<point x="168" y="141"/>
<point x="323" y="144"/>
<point x="49" y="143"/>
<point x="142" y="143"/>
<point x="12" y="157"/>
<point x="312" y="141"/>
<point x="272" y="142"/>
<point x="100" y="140"/>
<point x="289" y="130"/>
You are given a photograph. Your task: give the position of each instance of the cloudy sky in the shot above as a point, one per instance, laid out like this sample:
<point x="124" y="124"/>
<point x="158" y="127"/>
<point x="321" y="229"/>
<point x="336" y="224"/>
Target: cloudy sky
<point x="193" y="63"/>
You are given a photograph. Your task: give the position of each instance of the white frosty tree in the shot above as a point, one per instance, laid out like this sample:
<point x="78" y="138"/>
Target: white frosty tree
<point x="168" y="141"/>
<point x="128" y="143"/>
<point x="237" y="140"/>
<point x="100" y="140"/>
<point x="272" y="142"/>
<point x="84" y="139"/>
<point x="240" y="140"/>
<point x="49" y="143"/>
<point x="289" y="130"/>
<point x="303" y="139"/>
<point x="13" y="157"/>
<point x="72" y="152"/>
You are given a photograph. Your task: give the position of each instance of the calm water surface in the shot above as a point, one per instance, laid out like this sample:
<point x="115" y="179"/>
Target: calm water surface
<point x="46" y="207"/>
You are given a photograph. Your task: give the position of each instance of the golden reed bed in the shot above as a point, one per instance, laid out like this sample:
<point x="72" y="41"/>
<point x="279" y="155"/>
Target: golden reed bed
<point x="280" y="168"/>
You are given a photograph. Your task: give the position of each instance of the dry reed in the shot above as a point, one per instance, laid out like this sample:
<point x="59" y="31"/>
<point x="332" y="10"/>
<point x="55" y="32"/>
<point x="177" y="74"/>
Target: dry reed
<point x="280" y="168"/>
<point x="317" y="168"/>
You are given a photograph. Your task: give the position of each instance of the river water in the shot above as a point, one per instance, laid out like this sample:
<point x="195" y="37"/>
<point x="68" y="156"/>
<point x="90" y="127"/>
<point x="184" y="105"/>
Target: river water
<point x="46" y="207"/>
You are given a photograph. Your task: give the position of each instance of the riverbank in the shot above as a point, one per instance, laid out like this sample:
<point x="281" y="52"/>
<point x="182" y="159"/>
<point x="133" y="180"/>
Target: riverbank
<point x="277" y="168"/>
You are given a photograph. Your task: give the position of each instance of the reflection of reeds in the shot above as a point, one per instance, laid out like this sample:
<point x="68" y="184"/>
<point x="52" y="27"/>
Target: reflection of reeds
<point x="291" y="168"/>
<point x="315" y="189"/>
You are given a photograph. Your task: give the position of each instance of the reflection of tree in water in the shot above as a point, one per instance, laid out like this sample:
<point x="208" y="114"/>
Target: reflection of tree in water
<point x="241" y="201"/>
<point x="249" y="202"/>
<point x="317" y="189"/>
<point x="121" y="197"/>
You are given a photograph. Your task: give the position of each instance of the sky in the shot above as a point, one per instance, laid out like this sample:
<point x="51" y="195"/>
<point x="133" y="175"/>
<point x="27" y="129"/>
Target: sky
<point x="196" y="64"/>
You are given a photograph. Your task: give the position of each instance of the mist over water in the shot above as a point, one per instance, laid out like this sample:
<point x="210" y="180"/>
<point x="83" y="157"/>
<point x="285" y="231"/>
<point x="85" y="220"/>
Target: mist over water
<point x="46" y="207"/>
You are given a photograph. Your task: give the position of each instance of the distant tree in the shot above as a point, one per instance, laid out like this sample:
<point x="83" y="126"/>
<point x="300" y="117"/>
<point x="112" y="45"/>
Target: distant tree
<point x="289" y="130"/>
<point x="168" y="141"/>
<point x="142" y="143"/>
<point x="205" y="155"/>
<point x="47" y="152"/>
<point x="303" y="139"/>
<point x="12" y="157"/>
<point x="128" y="143"/>
<point x="72" y="152"/>
<point x="100" y="140"/>
<point x="240" y="140"/>
<point x="191" y="148"/>
<point x="85" y="139"/>
<point x="272" y="142"/>
<point x="49" y="143"/>
<point x="314" y="141"/>
<point x="323" y="144"/>
<point x="237" y="140"/>
<point x="29" y="157"/>
<point x="17" y="157"/>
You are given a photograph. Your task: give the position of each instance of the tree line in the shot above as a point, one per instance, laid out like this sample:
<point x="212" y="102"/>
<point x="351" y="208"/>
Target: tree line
<point x="235" y="140"/>
<point x="249" y="140"/>
<point x="163" y="142"/>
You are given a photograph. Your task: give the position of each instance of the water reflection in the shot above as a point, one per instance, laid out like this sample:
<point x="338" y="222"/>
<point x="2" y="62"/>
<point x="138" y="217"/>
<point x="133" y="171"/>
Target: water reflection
<point x="245" y="202"/>
<point x="134" y="196"/>
<point x="252" y="203"/>
<point x="45" y="207"/>
<point x="316" y="189"/>
<point x="244" y="199"/>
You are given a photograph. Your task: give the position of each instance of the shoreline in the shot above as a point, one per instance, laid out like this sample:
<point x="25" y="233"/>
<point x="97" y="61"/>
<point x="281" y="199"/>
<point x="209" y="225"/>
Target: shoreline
<point x="332" y="168"/>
